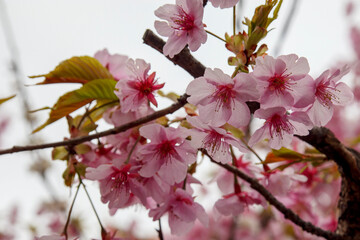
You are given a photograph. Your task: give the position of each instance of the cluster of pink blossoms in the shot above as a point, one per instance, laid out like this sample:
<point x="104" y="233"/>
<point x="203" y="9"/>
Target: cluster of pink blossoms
<point x="153" y="164"/>
<point x="150" y="164"/>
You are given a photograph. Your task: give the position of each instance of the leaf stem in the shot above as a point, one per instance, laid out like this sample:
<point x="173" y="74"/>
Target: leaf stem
<point x="161" y="236"/>
<point x="234" y="20"/>
<point x="70" y="211"/>
<point x="132" y="149"/>
<point x="103" y="231"/>
<point x="213" y="34"/>
<point x="251" y="149"/>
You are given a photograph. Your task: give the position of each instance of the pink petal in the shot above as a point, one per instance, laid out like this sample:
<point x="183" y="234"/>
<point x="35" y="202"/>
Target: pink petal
<point x="175" y="44"/>
<point x="344" y="94"/>
<point x="163" y="28"/>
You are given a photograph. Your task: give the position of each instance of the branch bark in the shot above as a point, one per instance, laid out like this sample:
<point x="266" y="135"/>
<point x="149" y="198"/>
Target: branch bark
<point x="75" y="141"/>
<point x="288" y="213"/>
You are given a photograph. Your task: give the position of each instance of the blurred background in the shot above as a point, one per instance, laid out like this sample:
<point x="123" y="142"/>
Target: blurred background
<point x="37" y="35"/>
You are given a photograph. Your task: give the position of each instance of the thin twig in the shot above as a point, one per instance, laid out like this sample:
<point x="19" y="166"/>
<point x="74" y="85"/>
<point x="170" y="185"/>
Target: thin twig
<point x="288" y="213"/>
<point x="234" y="20"/>
<point x="70" y="211"/>
<point x="75" y="141"/>
<point x="103" y="231"/>
<point x="160" y="233"/>
<point x="214" y="35"/>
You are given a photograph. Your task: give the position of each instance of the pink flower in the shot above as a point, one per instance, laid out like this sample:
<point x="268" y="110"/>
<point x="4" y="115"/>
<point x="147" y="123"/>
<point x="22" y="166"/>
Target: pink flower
<point x="117" y="184"/>
<point x="182" y="210"/>
<point x="168" y="153"/>
<point x="98" y="155"/>
<point x="236" y="203"/>
<point x="137" y="89"/>
<point x="329" y="93"/>
<point x="284" y="81"/>
<point x="224" y="3"/>
<point x="280" y="126"/>
<point x="215" y="140"/>
<point x="221" y="99"/>
<point x="225" y="177"/>
<point x="184" y="25"/>
<point x="280" y="182"/>
<point x="116" y="63"/>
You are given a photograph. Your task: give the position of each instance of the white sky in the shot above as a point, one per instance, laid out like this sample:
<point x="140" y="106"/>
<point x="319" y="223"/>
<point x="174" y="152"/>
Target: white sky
<point x="48" y="32"/>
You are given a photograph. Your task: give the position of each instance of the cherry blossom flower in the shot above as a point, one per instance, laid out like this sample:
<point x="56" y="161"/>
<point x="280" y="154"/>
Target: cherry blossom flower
<point x="117" y="183"/>
<point x="284" y="81"/>
<point x="184" y="25"/>
<point x="182" y="210"/>
<point x="215" y="140"/>
<point x="224" y="3"/>
<point x="224" y="176"/>
<point x="235" y="203"/>
<point x="137" y="89"/>
<point x="221" y="99"/>
<point x="168" y="153"/>
<point x="116" y="63"/>
<point x="280" y="182"/>
<point x="98" y="155"/>
<point x="280" y="126"/>
<point x="329" y="92"/>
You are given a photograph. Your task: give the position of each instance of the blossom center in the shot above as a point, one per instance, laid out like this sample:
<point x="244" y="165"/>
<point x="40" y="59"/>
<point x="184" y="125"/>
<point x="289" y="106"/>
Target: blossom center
<point x="279" y="83"/>
<point x="214" y="142"/>
<point x="223" y="95"/>
<point x="279" y="125"/>
<point x="325" y="95"/>
<point x="184" y="200"/>
<point x="183" y="21"/>
<point x="119" y="179"/>
<point x="166" y="149"/>
<point x="146" y="86"/>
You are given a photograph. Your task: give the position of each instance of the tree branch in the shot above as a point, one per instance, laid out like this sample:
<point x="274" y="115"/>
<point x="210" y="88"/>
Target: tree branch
<point x="184" y="59"/>
<point x="72" y="142"/>
<point x="288" y="213"/>
<point x="324" y="140"/>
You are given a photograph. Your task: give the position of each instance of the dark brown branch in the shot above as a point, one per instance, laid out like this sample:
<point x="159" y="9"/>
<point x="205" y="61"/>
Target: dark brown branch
<point x="184" y="59"/>
<point x="347" y="159"/>
<point x="288" y="213"/>
<point x="72" y="142"/>
<point x="326" y="142"/>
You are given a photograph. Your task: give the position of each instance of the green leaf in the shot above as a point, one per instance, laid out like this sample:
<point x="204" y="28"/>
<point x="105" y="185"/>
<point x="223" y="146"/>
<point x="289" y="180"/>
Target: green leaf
<point x="171" y="95"/>
<point x="2" y="100"/>
<point x="69" y="175"/>
<point x="82" y="148"/>
<point x="76" y="70"/>
<point x="60" y="153"/>
<point x="236" y="132"/>
<point x="40" y="109"/>
<point x="100" y="89"/>
<point x="276" y="13"/>
<point x="288" y="153"/>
